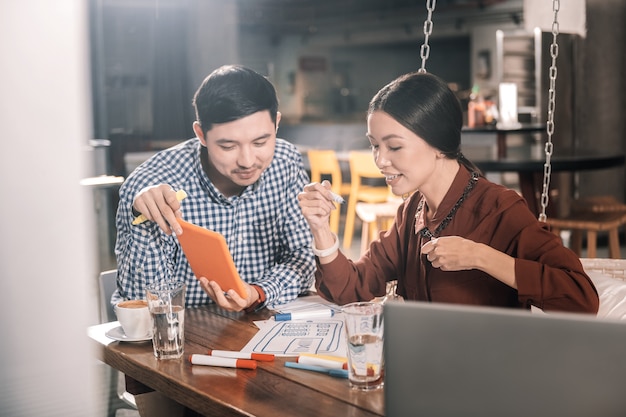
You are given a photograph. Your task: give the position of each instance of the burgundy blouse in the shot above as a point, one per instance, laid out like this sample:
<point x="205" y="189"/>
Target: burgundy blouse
<point x="549" y="275"/>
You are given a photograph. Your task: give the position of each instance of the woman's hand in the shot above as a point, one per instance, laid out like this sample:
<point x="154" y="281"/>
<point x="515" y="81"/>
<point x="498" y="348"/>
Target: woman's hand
<point x="451" y="253"/>
<point x="316" y="203"/>
<point x="454" y="253"/>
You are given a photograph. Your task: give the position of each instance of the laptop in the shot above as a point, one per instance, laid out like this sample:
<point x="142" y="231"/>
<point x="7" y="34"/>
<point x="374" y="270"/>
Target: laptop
<point x="451" y="360"/>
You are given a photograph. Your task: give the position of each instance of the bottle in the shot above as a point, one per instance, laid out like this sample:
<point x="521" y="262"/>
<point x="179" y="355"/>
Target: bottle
<point x="476" y="108"/>
<point x="491" y="113"/>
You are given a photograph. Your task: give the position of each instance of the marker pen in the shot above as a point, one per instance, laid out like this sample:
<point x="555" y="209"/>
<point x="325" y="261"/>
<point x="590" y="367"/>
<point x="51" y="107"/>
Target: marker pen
<point x="265" y="357"/>
<point x="328" y="357"/>
<point x="337" y="373"/>
<point x="305" y="314"/>
<point x="337" y="198"/>
<point x="322" y="361"/>
<point x="180" y="196"/>
<point x="197" y="359"/>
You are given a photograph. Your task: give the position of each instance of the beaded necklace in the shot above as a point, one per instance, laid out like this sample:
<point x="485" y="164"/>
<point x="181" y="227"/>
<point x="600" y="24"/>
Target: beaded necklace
<point x="427" y="233"/>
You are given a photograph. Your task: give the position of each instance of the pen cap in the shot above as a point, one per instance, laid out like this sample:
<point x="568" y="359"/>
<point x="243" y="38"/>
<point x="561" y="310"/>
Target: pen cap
<point x="282" y="316"/>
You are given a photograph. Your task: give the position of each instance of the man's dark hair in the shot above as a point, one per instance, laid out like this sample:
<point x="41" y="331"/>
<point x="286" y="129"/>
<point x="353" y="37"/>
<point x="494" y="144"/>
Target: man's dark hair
<point x="232" y="92"/>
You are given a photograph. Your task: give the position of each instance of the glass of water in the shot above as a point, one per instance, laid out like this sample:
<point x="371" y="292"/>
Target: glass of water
<point x="166" y="301"/>
<point x="364" y="331"/>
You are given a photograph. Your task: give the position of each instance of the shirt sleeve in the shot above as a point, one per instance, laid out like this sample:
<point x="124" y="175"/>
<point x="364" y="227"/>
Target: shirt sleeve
<point x="551" y="276"/>
<point x="345" y="281"/>
<point x="144" y="252"/>
<point x="293" y="270"/>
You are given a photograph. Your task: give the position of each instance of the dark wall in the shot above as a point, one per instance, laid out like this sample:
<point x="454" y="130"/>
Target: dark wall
<point x="601" y="100"/>
<point x="365" y="69"/>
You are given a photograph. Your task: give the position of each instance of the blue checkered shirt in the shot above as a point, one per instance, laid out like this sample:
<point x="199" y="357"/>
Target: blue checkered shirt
<point x="266" y="232"/>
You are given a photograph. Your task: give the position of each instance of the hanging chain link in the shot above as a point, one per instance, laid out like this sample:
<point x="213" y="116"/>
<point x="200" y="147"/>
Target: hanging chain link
<point x="547" y="167"/>
<point x="428" y="30"/>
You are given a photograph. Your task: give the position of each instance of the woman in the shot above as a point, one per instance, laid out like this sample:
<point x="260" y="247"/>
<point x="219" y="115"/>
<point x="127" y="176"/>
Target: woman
<point x="458" y="238"/>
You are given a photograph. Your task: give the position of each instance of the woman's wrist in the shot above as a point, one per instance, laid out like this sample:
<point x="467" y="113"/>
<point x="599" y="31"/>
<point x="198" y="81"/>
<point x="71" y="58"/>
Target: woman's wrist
<point x="321" y="253"/>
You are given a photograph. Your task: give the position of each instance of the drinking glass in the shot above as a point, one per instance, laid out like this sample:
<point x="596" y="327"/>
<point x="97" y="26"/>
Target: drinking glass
<point x="364" y="331"/>
<point x="166" y="301"/>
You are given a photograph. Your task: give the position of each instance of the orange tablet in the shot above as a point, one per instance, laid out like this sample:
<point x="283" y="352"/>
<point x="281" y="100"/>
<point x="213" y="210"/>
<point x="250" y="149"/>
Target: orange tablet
<point x="209" y="256"/>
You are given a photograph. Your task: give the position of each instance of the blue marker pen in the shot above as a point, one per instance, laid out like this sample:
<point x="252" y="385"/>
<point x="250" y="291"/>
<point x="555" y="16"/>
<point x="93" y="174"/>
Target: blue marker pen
<point x="337" y="373"/>
<point x="305" y="314"/>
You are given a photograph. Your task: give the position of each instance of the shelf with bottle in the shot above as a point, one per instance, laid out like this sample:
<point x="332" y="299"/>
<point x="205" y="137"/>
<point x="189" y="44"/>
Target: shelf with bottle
<point x="481" y="111"/>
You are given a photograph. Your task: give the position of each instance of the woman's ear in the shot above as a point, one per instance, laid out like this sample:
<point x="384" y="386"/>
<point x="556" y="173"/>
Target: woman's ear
<point x="197" y="128"/>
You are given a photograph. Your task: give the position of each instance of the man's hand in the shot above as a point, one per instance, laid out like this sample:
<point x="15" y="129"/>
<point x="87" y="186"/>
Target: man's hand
<point x="230" y="300"/>
<point x="160" y="204"/>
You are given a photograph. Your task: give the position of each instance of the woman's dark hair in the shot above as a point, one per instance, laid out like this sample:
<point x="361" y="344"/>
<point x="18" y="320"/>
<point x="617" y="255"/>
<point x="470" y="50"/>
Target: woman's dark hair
<point x="232" y="92"/>
<point x="424" y="104"/>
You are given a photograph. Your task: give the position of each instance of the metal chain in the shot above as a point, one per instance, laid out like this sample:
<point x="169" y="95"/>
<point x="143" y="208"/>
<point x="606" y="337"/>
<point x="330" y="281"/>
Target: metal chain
<point x="547" y="167"/>
<point x="428" y="30"/>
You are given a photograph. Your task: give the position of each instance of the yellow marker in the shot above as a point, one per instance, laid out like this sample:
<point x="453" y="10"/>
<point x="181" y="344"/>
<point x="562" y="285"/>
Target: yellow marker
<point x="325" y="357"/>
<point x="326" y="360"/>
<point x="180" y="196"/>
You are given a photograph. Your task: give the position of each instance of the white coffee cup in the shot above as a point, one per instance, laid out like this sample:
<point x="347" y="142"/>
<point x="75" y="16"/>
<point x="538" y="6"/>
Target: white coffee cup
<point x="135" y="318"/>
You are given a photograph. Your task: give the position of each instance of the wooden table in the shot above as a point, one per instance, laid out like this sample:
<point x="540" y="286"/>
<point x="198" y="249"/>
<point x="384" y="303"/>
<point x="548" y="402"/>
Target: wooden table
<point x="530" y="168"/>
<point x="271" y="390"/>
<point x="502" y="132"/>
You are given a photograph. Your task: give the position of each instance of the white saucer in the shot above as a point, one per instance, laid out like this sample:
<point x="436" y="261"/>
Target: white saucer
<point x="117" y="333"/>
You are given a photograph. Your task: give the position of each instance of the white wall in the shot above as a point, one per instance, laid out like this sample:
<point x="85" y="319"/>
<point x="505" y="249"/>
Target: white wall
<point x="46" y="256"/>
<point x="484" y="39"/>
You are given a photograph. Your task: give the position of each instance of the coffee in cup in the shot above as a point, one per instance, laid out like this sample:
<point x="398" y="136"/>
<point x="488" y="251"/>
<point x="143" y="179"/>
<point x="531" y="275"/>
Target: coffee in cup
<point x="135" y="318"/>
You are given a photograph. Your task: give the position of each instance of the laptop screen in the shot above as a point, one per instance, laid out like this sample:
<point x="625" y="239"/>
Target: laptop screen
<point x="451" y="360"/>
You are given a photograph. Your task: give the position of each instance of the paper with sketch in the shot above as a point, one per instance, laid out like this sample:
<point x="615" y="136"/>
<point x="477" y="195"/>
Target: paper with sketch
<point x="309" y="302"/>
<point x="290" y="338"/>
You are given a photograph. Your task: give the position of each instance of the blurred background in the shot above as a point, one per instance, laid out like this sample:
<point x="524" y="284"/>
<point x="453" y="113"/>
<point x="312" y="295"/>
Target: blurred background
<point x="327" y="58"/>
<point x="92" y="88"/>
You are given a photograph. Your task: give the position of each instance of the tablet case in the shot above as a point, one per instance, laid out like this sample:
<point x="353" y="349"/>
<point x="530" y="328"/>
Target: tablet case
<point x="209" y="256"/>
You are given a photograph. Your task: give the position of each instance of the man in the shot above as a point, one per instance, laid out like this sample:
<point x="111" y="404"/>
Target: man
<point x="240" y="180"/>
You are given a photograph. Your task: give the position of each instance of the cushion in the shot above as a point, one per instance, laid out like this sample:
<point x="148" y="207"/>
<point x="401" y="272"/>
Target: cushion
<point x="612" y="294"/>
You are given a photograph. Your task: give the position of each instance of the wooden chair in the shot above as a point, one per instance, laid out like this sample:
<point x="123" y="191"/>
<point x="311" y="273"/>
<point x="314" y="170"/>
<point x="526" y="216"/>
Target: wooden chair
<point x="592" y="215"/>
<point x="375" y="217"/>
<point x="362" y="167"/>
<point x="324" y="163"/>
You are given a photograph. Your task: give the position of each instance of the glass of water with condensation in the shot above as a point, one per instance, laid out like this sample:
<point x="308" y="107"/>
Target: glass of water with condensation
<point x="166" y="301"/>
